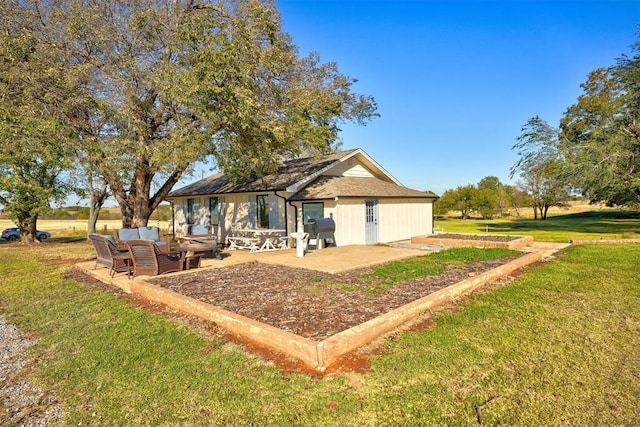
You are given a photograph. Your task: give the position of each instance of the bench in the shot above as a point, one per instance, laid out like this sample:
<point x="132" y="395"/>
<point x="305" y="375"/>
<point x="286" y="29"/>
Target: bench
<point x="240" y="242"/>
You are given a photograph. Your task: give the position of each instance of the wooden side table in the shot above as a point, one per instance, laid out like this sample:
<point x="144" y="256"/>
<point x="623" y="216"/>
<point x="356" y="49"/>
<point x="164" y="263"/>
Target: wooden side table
<point x="124" y="256"/>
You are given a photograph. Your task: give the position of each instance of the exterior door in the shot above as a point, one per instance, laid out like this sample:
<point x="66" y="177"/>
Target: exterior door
<point x="371" y="221"/>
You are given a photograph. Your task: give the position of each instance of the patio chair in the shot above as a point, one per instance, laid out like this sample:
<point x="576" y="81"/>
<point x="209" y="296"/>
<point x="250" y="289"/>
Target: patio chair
<point x="107" y="254"/>
<point x="149" y="260"/>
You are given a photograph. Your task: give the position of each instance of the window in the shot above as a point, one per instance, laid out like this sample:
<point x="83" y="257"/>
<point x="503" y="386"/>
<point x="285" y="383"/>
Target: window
<point x="262" y="202"/>
<point x="312" y="210"/>
<point x="369" y="211"/>
<point x="214" y="211"/>
<point x="191" y="211"/>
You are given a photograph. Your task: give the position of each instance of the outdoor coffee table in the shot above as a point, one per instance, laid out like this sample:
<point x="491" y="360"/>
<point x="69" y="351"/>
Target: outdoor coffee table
<point x="191" y="253"/>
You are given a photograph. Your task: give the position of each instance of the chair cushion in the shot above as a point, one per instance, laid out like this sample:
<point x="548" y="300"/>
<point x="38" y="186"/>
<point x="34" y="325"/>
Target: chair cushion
<point x="149" y="233"/>
<point x="198" y="229"/>
<point x="110" y="238"/>
<point x="128" y="234"/>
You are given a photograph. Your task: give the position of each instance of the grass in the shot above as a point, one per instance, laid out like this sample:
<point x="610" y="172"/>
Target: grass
<point x="610" y="224"/>
<point x="384" y="276"/>
<point x="560" y="345"/>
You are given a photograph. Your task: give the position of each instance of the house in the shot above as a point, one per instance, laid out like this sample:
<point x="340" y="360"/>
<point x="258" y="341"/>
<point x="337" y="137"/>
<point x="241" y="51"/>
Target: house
<point x="367" y="204"/>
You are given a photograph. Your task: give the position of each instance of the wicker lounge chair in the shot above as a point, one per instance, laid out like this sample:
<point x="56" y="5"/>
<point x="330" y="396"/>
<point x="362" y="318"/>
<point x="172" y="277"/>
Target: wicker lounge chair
<point x="107" y="254"/>
<point x="148" y="259"/>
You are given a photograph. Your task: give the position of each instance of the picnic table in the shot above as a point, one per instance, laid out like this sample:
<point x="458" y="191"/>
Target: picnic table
<point x="258" y="239"/>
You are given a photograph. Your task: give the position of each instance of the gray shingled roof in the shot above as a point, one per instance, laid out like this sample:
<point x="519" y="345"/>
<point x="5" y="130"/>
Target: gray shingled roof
<point x="290" y="173"/>
<point x="329" y="187"/>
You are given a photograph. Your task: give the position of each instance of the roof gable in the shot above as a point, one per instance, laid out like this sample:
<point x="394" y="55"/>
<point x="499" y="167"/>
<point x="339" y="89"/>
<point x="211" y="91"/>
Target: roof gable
<point x="292" y="177"/>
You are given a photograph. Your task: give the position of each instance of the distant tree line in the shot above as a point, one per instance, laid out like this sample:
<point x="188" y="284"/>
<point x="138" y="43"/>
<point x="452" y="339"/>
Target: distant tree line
<point x="489" y="198"/>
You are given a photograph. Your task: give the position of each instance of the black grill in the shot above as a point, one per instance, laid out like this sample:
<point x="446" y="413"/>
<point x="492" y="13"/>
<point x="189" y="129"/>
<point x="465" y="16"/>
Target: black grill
<point x="321" y="229"/>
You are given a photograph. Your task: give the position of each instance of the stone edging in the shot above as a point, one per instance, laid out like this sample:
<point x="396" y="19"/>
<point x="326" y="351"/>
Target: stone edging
<point x="433" y="239"/>
<point x="320" y="355"/>
<point x="603" y="241"/>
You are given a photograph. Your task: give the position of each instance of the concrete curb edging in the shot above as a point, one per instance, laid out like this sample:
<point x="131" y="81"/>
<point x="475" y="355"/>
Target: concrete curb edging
<point x="433" y="239"/>
<point x="344" y="342"/>
<point x="320" y="355"/>
<point x="604" y="241"/>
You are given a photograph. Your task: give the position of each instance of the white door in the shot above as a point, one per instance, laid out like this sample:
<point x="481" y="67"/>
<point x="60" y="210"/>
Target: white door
<point x="371" y="221"/>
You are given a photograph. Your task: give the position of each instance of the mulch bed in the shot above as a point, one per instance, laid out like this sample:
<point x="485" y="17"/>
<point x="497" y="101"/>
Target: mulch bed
<point x="308" y="303"/>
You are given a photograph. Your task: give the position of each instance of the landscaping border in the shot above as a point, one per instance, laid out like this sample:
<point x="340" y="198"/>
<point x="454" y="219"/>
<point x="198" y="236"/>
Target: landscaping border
<point x="433" y="239"/>
<point x="320" y="355"/>
<point x="603" y="241"/>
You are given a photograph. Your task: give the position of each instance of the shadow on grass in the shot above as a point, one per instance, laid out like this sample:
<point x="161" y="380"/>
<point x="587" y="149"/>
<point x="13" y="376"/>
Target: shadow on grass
<point x="74" y="239"/>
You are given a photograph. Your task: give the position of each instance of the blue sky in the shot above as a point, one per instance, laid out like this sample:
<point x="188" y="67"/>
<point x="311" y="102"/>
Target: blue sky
<point x="456" y="80"/>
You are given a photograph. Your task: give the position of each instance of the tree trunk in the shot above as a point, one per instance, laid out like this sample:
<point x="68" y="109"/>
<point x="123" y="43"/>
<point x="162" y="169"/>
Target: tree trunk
<point x="135" y="200"/>
<point x="544" y="214"/>
<point x="27" y="226"/>
<point x="97" y="200"/>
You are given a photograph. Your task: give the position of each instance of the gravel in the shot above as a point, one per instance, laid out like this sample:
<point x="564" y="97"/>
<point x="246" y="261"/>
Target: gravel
<point x="23" y="403"/>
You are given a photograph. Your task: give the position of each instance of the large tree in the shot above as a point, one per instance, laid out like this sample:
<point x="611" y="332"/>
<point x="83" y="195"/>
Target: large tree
<point x="34" y="153"/>
<point x="541" y="166"/>
<point x="164" y="84"/>
<point x="460" y="199"/>
<point x="602" y="134"/>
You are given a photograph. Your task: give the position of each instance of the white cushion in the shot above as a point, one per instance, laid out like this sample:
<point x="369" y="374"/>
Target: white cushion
<point x="128" y="234"/>
<point x="149" y="233"/>
<point x="198" y="229"/>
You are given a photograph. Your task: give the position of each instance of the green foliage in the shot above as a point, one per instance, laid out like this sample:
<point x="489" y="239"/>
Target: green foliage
<point x="541" y="166"/>
<point x="163" y="213"/>
<point x="602" y="134"/>
<point x="33" y="153"/>
<point x="156" y="89"/>
<point x="490" y="198"/>
<point x="597" y="148"/>
<point x="83" y="213"/>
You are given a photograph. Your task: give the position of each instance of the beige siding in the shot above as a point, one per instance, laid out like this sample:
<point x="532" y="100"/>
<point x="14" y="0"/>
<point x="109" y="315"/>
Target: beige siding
<point x="349" y="167"/>
<point x="398" y="219"/>
<point x="349" y="217"/>
<point x="403" y="219"/>
<point x="236" y="211"/>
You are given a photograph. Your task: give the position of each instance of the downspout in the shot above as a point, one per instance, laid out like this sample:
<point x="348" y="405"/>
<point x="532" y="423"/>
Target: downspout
<point x="295" y="209"/>
<point x="286" y="222"/>
<point x="173" y="220"/>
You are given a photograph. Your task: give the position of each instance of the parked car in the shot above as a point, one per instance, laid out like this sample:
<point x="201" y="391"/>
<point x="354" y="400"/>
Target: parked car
<point x="13" y="233"/>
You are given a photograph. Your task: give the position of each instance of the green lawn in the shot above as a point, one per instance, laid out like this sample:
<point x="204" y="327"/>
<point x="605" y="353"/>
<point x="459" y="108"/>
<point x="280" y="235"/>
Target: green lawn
<point x="557" y="228"/>
<point x="560" y="345"/>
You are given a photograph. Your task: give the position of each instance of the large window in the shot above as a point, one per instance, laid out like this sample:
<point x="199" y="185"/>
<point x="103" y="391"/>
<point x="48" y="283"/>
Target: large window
<point x="312" y="210"/>
<point x="262" y="202"/>
<point x="191" y="211"/>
